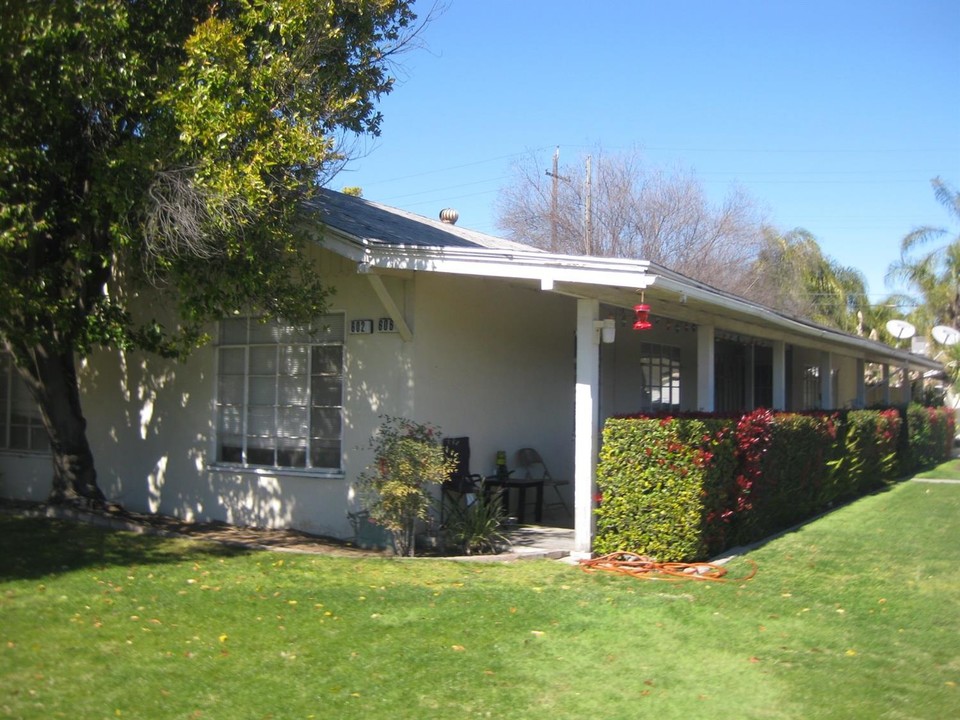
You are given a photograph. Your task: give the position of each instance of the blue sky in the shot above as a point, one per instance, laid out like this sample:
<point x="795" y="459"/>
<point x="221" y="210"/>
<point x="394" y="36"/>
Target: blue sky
<point x="832" y="116"/>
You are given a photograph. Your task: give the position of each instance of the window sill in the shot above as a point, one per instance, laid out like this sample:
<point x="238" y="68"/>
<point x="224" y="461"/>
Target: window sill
<point x="19" y="452"/>
<point x="291" y="472"/>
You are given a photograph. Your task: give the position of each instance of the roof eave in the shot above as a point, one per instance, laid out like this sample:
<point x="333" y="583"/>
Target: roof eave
<point x="876" y="350"/>
<point x="546" y="268"/>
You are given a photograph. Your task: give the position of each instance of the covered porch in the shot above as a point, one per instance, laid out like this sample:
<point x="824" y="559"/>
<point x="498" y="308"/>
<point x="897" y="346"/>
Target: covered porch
<point x="709" y="351"/>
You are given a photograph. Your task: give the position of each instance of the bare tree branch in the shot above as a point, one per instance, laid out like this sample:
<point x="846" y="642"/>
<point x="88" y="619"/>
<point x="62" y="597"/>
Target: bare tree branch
<point x="637" y="211"/>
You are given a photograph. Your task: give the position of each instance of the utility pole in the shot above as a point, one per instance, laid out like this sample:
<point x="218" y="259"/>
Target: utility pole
<point x="554" y="200"/>
<point x="587" y="214"/>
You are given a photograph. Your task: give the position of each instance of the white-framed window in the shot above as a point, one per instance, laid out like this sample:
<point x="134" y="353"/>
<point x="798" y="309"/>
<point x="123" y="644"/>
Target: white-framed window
<point x="280" y="393"/>
<point x="21" y="427"/>
<point x="660" y="369"/>
<point x="810" y="388"/>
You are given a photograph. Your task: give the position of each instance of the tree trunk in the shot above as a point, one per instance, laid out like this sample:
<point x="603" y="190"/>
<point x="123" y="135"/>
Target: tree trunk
<point x="51" y="376"/>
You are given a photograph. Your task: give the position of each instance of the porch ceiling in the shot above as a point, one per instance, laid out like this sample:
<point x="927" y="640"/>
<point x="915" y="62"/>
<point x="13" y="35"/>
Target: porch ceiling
<point x="681" y="299"/>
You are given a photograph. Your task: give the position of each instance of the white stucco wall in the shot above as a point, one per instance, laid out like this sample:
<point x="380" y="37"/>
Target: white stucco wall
<point x="490" y="360"/>
<point x="494" y="361"/>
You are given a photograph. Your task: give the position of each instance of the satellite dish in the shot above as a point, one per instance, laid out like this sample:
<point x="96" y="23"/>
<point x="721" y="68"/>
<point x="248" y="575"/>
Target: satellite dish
<point x="945" y="335"/>
<point x="901" y="329"/>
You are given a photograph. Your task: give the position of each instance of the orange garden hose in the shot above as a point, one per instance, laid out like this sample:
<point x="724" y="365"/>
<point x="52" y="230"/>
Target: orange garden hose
<point x="641" y="566"/>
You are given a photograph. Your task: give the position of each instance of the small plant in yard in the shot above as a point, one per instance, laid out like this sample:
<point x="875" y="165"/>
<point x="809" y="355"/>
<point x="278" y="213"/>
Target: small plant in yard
<point x="475" y="527"/>
<point x="408" y="461"/>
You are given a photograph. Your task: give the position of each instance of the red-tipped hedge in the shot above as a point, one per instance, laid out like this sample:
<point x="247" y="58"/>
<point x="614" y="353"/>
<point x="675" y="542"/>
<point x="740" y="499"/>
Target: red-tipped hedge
<point x="684" y="488"/>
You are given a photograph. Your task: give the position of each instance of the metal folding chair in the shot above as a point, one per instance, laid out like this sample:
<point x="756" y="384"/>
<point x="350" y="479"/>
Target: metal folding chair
<point x="534" y="468"/>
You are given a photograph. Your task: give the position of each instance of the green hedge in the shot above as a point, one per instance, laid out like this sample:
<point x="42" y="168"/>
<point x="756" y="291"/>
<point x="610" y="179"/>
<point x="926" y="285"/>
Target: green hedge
<point x="684" y="488"/>
<point x="930" y="432"/>
<point x="656" y="484"/>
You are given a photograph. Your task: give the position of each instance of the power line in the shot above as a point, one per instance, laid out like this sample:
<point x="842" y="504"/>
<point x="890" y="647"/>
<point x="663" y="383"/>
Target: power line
<point x="455" y="167"/>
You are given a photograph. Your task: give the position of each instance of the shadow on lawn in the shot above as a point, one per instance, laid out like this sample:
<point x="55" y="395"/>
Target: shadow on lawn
<point x="38" y="547"/>
<point x="737" y="550"/>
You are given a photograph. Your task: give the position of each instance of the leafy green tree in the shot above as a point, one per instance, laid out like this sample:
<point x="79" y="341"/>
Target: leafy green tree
<point x="167" y="142"/>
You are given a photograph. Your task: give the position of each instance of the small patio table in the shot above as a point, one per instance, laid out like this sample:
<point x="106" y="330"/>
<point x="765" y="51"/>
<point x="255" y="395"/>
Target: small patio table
<point x="520" y="485"/>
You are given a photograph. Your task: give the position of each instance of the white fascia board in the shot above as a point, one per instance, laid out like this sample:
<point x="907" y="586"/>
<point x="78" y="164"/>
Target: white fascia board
<point x="339" y="243"/>
<point x="547" y="268"/>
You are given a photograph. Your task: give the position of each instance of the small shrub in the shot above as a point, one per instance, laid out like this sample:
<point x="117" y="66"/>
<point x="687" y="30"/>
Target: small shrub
<point x="794" y="472"/>
<point x="396" y="488"/>
<point x="475" y="527"/>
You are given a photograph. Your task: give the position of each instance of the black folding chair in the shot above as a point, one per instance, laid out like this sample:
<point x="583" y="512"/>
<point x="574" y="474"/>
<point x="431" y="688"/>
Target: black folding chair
<point x="461" y="481"/>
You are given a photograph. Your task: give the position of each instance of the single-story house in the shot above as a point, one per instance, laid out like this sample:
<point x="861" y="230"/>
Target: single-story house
<point x="503" y="343"/>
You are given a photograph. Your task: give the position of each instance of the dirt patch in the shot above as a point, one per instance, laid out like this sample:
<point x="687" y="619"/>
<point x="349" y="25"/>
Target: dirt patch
<point x="119" y="518"/>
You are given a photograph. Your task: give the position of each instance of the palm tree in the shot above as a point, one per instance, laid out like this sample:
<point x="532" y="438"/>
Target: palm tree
<point x="934" y="276"/>
<point x="793" y="275"/>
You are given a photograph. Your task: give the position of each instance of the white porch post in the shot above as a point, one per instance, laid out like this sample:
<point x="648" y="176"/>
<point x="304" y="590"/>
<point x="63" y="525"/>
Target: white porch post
<point x="779" y="375"/>
<point x="586" y="423"/>
<point x="907" y="395"/>
<point x="705" y="368"/>
<point x="861" y="383"/>
<point x="826" y="381"/>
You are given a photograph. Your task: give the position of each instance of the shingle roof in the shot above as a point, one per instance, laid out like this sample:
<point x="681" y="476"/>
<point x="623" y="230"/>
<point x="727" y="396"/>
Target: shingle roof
<point x="377" y="223"/>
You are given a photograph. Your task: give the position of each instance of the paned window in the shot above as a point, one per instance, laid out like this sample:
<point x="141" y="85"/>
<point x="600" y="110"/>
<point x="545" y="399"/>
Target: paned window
<point x="21" y="427"/>
<point x="660" y="368"/>
<point x="810" y="388"/>
<point x="280" y="393"/>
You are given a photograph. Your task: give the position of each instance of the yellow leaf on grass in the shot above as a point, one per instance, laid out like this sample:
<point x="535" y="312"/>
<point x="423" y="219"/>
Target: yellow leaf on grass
<point x="223" y="638"/>
<point x="458" y="648"/>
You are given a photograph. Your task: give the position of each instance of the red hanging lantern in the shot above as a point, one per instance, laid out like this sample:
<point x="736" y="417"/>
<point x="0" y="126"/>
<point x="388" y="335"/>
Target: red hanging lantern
<point x="643" y="317"/>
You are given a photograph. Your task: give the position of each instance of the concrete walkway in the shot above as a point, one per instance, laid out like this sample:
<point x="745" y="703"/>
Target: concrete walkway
<point x="538" y="541"/>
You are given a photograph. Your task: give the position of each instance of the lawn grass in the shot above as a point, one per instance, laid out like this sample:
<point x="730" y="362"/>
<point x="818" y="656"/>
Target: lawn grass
<point x="950" y="470"/>
<point x="852" y="616"/>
